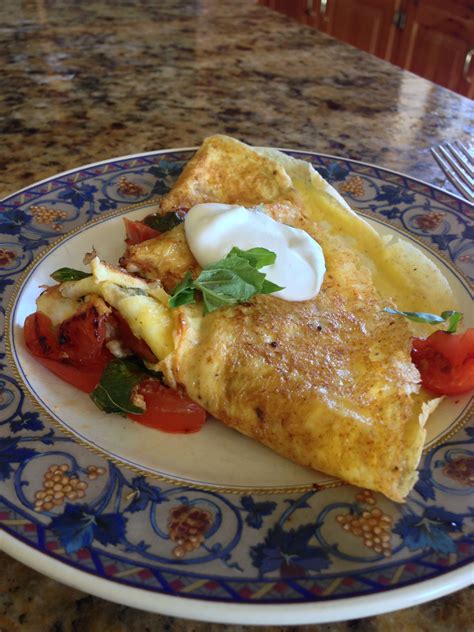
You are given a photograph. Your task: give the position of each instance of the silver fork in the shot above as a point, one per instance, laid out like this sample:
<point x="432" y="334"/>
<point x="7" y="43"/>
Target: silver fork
<point x="457" y="163"/>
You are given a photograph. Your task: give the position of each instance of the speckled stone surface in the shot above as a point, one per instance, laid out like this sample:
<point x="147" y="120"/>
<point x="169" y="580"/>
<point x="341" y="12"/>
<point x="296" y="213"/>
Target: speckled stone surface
<point x="85" y="81"/>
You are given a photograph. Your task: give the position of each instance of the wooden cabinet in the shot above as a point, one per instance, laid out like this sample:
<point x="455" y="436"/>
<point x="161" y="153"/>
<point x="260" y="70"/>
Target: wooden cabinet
<point x="366" y="24"/>
<point x="292" y="8"/>
<point x="432" y="38"/>
<point x="436" y="41"/>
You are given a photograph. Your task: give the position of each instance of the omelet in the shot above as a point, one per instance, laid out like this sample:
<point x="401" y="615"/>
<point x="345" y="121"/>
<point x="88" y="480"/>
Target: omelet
<point x="327" y="382"/>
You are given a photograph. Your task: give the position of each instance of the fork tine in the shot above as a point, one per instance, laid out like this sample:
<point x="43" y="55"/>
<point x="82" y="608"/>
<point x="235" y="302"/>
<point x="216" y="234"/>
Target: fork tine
<point x="464" y="151"/>
<point x="458" y="183"/>
<point x="461" y="168"/>
<point x="461" y="159"/>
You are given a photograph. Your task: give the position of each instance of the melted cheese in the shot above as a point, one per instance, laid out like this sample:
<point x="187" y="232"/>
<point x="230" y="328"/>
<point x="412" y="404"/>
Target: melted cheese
<point x="147" y="318"/>
<point x="58" y="307"/>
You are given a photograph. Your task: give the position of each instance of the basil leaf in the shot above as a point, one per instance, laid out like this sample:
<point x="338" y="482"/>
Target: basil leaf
<point x="114" y="391"/>
<point x="213" y="301"/>
<point x="69" y="274"/>
<point x="451" y="316"/>
<point x="221" y="287"/>
<point x="417" y="317"/>
<point x="183" y="293"/>
<point x="257" y="257"/>
<point x="268" y="287"/>
<point x="229" y="281"/>
<point x="163" y="223"/>
<point x="246" y="279"/>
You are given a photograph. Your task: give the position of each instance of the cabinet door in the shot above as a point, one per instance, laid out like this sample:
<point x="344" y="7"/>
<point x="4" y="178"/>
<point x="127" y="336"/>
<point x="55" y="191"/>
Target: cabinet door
<point x="366" y="24"/>
<point x="297" y="9"/>
<point x="438" y="36"/>
<point x="305" y="11"/>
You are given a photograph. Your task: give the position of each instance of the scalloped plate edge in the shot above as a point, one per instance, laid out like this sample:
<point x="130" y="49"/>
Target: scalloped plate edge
<point x="243" y="614"/>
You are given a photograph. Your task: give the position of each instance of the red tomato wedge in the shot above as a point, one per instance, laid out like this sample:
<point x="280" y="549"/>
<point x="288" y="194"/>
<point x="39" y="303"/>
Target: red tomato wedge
<point x="167" y="410"/>
<point x="40" y="337"/>
<point x="81" y="359"/>
<point x="138" y="231"/>
<point x="85" y="379"/>
<point x="445" y="362"/>
<point x="82" y="336"/>
<point x="78" y="340"/>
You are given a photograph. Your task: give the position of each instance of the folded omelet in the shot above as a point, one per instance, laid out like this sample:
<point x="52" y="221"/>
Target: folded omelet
<point x="327" y="382"/>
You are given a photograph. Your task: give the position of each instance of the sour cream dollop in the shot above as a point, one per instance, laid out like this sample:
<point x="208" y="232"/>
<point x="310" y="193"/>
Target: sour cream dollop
<point x="212" y="230"/>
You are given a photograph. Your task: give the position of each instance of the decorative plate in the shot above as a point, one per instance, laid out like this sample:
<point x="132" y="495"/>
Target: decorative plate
<point x="214" y="526"/>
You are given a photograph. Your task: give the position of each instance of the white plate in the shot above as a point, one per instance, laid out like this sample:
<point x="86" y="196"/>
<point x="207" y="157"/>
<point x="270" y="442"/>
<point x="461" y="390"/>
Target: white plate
<point x="273" y="550"/>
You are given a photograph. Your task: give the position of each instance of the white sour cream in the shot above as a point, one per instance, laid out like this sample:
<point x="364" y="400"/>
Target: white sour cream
<point x="212" y="230"/>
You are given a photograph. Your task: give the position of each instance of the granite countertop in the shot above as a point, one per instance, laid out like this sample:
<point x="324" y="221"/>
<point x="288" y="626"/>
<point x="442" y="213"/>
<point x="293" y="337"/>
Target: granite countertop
<point x="85" y="81"/>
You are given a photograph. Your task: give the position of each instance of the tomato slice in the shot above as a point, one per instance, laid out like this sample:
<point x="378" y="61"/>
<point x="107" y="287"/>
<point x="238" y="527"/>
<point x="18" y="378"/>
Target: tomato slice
<point x="82" y="336"/>
<point x="167" y="410"/>
<point x="40" y="337"/>
<point x="138" y="346"/>
<point x="43" y="342"/>
<point x="138" y="231"/>
<point x="445" y="362"/>
<point x="456" y="348"/>
<point x="83" y="378"/>
<point x="78" y="340"/>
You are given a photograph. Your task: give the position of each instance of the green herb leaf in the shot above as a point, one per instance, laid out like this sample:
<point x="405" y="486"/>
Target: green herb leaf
<point x="213" y="300"/>
<point x="268" y="287"/>
<point x="221" y="287"/>
<point x="257" y="257"/>
<point x="69" y="274"/>
<point x="163" y="223"/>
<point x="114" y="391"/>
<point x="183" y="293"/>
<point x="239" y="277"/>
<point x="451" y="316"/>
<point x="231" y="280"/>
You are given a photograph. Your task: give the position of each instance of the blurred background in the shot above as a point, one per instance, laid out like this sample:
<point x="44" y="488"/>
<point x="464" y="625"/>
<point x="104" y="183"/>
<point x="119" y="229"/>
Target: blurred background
<point x="432" y="38"/>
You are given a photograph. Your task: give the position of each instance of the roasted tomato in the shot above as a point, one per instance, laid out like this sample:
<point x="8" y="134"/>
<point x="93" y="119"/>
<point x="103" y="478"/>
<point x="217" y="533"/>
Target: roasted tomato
<point x="83" y="378"/>
<point x="138" y="231"/>
<point x="82" y="336"/>
<point x="77" y="341"/>
<point x="74" y="352"/>
<point x="168" y="410"/>
<point x="40" y="337"/>
<point x="138" y="346"/>
<point x="445" y="362"/>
